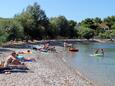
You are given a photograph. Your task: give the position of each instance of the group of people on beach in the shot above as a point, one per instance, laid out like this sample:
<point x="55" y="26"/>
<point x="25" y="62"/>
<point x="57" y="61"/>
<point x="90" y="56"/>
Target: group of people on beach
<point x="45" y="47"/>
<point x="15" y="58"/>
<point x="13" y="61"/>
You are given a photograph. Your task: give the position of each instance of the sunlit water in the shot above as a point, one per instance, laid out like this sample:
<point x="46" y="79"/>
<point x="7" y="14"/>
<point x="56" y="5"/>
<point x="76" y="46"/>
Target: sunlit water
<point x="99" y="69"/>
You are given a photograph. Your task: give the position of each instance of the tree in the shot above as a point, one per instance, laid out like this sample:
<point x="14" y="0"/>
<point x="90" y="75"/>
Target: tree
<point x="40" y="23"/>
<point x="113" y="33"/>
<point x="16" y="31"/>
<point x="62" y="25"/>
<point x="110" y="20"/>
<point x="25" y="19"/>
<point x="52" y="31"/>
<point x="113" y="26"/>
<point x="3" y="35"/>
<point x="34" y="21"/>
<point x="86" y="33"/>
<point x="97" y="20"/>
<point x="106" y="35"/>
<point x="72" y="32"/>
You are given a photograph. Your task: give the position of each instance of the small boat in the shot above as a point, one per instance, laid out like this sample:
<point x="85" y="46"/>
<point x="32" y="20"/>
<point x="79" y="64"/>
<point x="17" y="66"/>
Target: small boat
<point x="73" y="49"/>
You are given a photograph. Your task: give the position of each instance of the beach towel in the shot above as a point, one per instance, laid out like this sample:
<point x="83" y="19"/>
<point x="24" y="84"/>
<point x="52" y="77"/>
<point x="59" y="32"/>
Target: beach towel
<point x="14" y="68"/>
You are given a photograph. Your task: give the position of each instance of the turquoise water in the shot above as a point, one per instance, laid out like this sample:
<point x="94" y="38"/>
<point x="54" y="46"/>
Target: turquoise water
<point x="99" y="69"/>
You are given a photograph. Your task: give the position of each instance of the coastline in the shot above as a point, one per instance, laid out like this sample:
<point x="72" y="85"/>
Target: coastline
<point x="48" y="70"/>
<point x="60" y="40"/>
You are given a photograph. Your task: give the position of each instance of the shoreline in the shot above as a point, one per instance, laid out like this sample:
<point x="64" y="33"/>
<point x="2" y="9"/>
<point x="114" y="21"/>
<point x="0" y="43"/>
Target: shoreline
<point x="77" y="72"/>
<point x="61" y="40"/>
<point x="49" y="70"/>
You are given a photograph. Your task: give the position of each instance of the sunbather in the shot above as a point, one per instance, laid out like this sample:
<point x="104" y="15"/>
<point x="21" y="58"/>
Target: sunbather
<point x="23" y="59"/>
<point x="11" y="59"/>
<point x="25" y="52"/>
<point x="46" y="46"/>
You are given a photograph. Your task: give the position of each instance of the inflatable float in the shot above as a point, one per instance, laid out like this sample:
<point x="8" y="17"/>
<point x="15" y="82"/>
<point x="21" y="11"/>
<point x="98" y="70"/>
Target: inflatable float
<point x="25" y="52"/>
<point x="97" y="55"/>
<point x="73" y="49"/>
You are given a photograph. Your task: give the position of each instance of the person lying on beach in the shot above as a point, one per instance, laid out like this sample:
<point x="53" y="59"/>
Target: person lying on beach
<point x="23" y="59"/>
<point x="37" y="47"/>
<point x="46" y="46"/>
<point x="25" y="52"/>
<point x="11" y="59"/>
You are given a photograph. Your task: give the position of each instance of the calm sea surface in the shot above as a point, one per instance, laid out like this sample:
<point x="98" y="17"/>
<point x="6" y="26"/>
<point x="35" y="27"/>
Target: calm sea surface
<point x="99" y="69"/>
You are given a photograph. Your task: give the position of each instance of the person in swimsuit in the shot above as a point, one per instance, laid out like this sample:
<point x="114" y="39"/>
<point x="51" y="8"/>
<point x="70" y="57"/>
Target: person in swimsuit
<point x="11" y="59"/>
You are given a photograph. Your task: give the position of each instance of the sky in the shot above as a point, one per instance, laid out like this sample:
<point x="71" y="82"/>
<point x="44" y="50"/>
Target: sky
<point x="77" y="10"/>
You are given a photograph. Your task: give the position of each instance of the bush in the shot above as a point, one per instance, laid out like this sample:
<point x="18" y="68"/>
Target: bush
<point x="86" y="33"/>
<point x="106" y="35"/>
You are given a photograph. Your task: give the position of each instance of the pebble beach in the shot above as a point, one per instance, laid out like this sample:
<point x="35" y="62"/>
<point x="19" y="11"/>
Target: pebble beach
<point x="48" y="70"/>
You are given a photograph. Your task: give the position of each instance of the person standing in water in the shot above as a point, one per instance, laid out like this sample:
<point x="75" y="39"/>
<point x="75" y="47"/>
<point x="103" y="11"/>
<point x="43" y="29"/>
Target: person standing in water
<point x="97" y="51"/>
<point x="102" y="51"/>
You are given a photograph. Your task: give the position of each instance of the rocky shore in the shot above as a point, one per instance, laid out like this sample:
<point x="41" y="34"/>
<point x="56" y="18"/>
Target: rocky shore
<point x="48" y="70"/>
